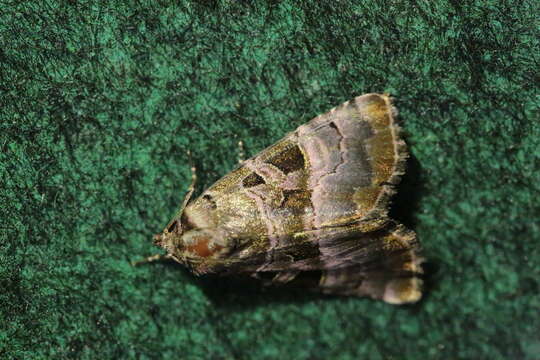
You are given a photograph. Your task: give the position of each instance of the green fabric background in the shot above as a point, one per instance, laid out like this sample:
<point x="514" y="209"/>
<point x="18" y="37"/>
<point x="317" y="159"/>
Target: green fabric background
<point x="99" y="104"/>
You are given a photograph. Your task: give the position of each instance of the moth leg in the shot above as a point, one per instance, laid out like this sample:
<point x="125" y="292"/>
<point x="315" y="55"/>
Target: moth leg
<point x="284" y="277"/>
<point x="276" y="278"/>
<point x="153" y="259"/>
<point x="241" y="153"/>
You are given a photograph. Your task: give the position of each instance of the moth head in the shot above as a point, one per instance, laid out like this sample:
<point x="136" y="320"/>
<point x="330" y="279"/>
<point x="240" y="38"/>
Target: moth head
<point x="194" y="245"/>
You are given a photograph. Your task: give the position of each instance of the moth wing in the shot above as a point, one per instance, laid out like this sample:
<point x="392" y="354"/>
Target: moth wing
<point x="391" y="272"/>
<point x="384" y="264"/>
<point x="339" y="168"/>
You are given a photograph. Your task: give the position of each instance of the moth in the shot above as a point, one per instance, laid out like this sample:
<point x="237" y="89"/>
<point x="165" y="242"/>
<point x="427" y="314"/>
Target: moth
<point x="311" y="210"/>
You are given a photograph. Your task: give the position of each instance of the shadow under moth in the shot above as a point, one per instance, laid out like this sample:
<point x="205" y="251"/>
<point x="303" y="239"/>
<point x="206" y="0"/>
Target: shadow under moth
<point x="311" y="210"/>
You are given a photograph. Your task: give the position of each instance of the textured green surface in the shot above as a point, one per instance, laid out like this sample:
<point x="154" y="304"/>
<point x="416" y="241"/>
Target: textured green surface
<point x="99" y="103"/>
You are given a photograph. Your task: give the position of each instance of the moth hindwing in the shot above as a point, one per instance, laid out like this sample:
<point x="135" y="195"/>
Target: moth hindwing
<point x="316" y="202"/>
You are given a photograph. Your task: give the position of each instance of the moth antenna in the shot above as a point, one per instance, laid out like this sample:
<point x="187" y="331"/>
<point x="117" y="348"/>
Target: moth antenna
<point x="191" y="188"/>
<point x="152" y="259"/>
<point x="241" y="153"/>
